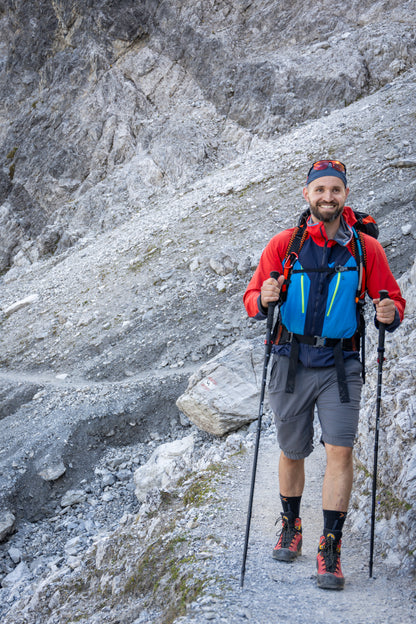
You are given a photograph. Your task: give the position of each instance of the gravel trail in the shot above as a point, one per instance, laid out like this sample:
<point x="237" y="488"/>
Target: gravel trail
<point x="274" y="591"/>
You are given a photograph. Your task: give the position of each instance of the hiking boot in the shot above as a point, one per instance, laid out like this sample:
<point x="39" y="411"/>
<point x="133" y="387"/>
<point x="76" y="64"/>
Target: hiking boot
<point x="328" y="563"/>
<point x="289" y="544"/>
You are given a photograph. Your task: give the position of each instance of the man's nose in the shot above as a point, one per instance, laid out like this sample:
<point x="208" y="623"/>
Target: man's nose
<point x="327" y="196"/>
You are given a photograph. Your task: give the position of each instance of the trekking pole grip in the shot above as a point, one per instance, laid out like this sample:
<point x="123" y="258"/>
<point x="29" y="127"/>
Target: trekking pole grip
<point x="272" y="304"/>
<point x="384" y="294"/>
<point x="274" y="275"/>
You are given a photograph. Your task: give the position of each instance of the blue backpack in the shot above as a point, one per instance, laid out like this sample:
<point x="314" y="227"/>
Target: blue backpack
<point x="364" y="224"/>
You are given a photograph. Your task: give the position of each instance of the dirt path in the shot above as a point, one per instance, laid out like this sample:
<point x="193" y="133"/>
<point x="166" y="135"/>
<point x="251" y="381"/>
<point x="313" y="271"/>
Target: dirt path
<point x="279" y="592"/>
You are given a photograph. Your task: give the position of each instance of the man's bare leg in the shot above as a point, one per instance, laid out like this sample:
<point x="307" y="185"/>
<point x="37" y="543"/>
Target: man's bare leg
<point x="291" y="476"/>
<point x="338" y="478"/>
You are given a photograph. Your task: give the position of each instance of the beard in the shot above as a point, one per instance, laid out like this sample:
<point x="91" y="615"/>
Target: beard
<point x="323" y="216"/>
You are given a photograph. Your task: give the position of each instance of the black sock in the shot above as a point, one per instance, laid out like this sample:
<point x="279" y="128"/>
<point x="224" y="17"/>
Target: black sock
<point x="333" y="522"/>
<point x="291" y="504"/>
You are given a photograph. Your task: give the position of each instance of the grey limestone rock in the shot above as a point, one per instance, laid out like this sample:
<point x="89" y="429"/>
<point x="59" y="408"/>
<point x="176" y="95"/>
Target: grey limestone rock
<point x="223" y="395"/>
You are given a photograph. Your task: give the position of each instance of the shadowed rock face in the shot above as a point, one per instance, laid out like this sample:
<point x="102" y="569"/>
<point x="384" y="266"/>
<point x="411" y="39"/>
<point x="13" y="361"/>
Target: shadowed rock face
<point x="141" y="96"/>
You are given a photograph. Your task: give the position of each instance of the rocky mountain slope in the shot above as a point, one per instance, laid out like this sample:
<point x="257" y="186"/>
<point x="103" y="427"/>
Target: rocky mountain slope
<point x="149" y="152"/>
<point x="179" y="558"/>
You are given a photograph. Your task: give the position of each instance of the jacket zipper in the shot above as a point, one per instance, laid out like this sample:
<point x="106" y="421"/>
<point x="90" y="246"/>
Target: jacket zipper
<point x="334" y="295"/>
<point x="303" y="292"/>
<point x="321" y="283"/>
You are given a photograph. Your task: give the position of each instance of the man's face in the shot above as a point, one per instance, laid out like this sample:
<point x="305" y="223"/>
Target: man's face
<point x="326" y="197"/>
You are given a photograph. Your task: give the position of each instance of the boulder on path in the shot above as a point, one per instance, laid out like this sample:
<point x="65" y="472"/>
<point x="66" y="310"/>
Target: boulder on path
<point x="223" y="395"/>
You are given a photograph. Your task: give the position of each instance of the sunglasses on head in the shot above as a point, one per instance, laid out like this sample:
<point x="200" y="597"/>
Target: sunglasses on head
<point x="325" y="164"/>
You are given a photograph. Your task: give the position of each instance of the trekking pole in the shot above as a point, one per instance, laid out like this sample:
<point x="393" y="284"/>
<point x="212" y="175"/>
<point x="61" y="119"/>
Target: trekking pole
<point x="268" y="348"/>
<point x="381" y="334"/>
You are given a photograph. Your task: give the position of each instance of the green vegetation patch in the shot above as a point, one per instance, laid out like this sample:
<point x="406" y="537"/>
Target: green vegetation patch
<point x="203" y="485"/>
<point x="150" y="253"/>
<point x="12" y="153"/>
<point x="387" y="502"/>
<point x="165" y="576"/>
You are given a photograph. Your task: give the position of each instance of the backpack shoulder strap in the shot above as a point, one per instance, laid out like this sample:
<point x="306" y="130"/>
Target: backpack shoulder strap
<point x="360" y="255"/>
<point x="292" y="252"/>
<point x="299" y="234"/>
<point x="296" y="240"/>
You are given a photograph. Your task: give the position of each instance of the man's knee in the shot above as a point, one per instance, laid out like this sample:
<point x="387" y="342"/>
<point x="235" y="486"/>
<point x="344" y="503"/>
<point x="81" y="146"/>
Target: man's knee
<point x="341" y="455"/>
<point x="288" y="461"/>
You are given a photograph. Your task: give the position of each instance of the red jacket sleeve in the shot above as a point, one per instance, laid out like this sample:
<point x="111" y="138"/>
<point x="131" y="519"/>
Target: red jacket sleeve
<point x="379" y="276"/>
<point x="271" y="260"/>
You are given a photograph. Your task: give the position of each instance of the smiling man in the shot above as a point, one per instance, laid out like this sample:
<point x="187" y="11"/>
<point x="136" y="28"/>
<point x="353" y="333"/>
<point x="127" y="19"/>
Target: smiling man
<point x="316" y="358"/>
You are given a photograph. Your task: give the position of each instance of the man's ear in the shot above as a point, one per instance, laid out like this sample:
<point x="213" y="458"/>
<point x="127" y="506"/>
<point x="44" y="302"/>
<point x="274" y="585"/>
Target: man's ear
<point x="305" y="193"/>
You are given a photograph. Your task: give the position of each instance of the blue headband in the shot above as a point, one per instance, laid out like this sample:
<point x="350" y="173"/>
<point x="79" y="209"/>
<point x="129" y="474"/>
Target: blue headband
<point x="329" y="171"/>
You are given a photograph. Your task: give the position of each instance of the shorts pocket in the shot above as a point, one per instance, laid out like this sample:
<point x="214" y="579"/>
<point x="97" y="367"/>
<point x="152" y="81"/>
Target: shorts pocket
<point x="278" y="374"/>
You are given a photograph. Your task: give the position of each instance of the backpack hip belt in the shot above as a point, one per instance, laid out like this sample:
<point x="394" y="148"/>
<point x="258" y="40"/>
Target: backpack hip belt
<point x="337" y="344"/>
<point x="348" y="344"/>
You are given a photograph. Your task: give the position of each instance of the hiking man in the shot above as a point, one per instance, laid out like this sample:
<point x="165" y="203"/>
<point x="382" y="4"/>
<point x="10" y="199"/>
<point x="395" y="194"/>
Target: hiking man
<point x="316" y="351"/>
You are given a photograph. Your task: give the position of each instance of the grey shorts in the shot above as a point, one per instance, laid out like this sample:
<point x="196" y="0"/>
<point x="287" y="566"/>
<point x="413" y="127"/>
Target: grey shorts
<point x="294" y="413"/>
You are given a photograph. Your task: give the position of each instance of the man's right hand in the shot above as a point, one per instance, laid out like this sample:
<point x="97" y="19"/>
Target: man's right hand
<point x="270" y="290"/>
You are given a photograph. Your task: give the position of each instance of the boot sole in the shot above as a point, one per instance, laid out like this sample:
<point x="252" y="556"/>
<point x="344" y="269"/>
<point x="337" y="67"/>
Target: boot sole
<point x="284" y="554"/>
<point x="330" y="581"/>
